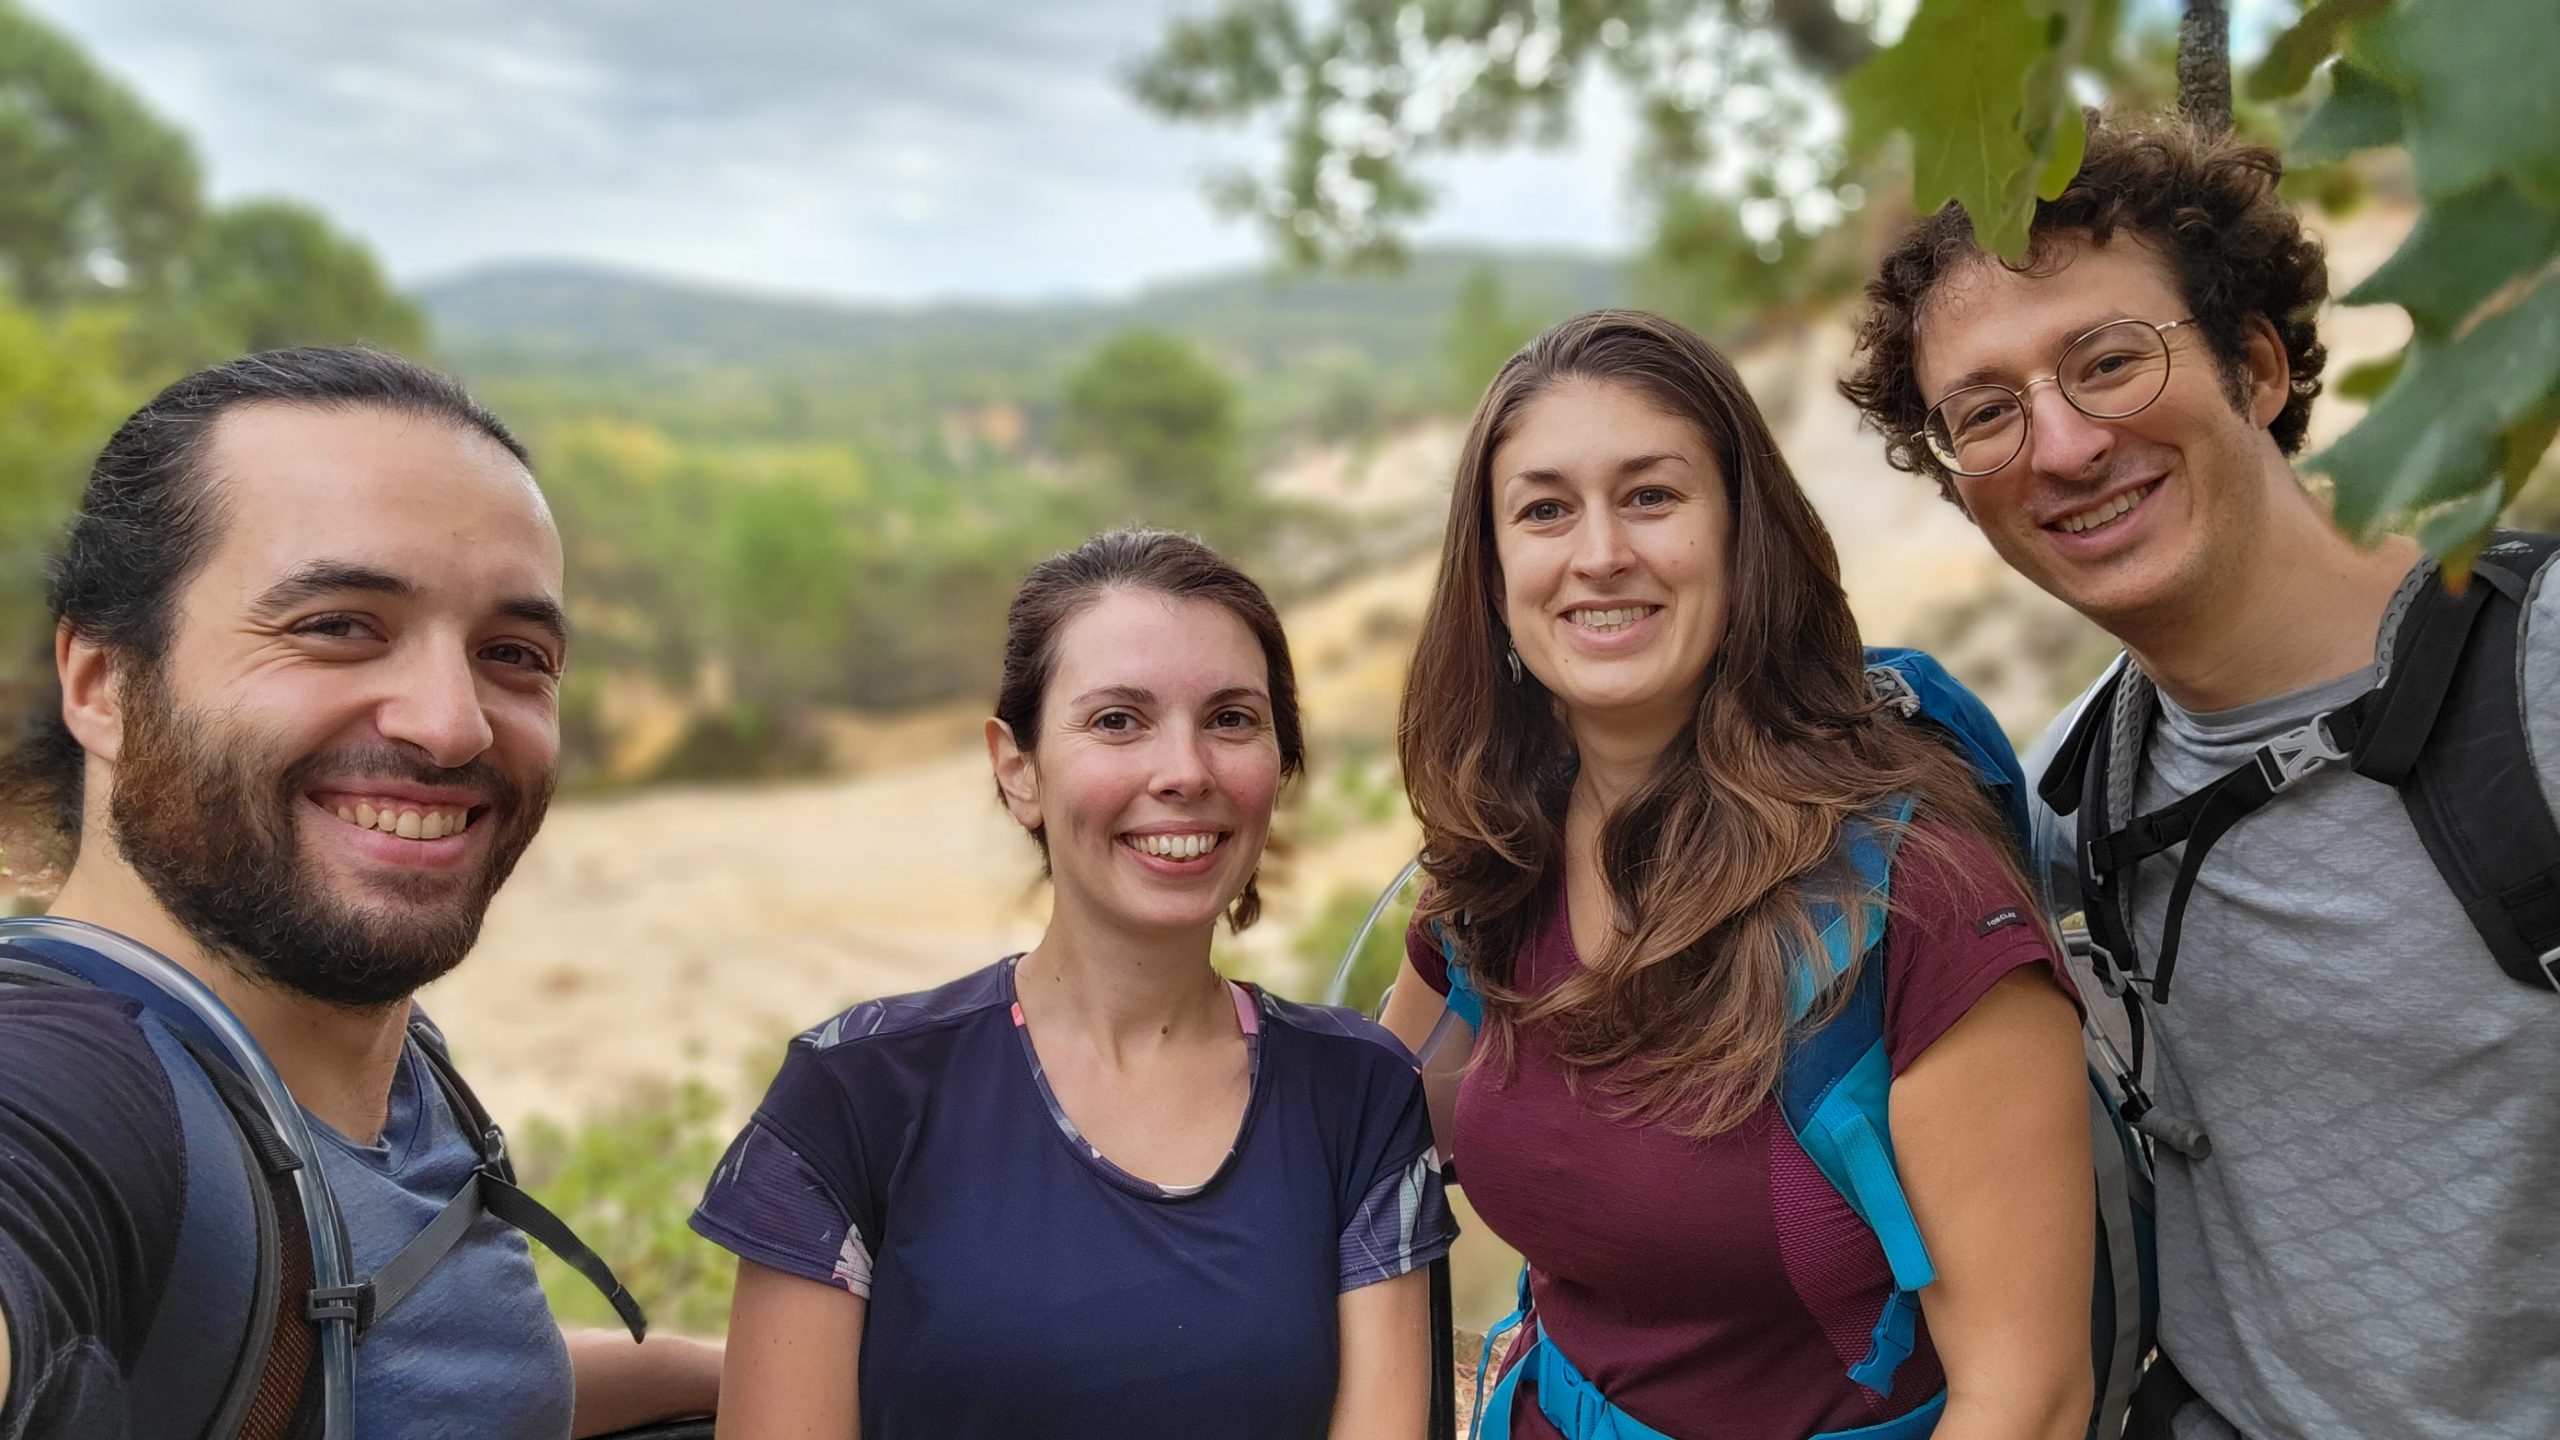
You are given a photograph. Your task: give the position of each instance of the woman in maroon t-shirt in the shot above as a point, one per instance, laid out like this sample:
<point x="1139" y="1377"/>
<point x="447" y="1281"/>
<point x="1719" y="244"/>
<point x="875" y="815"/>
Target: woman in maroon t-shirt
<point x="1636" y="727"/>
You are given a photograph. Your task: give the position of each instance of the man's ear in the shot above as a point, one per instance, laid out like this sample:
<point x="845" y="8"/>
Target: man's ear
<point x="1017" y="775"/>
<point x="2270" y="370"/>
<point x="92" y="693"/>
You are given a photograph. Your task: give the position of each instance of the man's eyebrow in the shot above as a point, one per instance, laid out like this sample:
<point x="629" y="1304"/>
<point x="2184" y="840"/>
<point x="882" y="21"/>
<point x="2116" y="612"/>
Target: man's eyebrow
<point x="342" y="577"/>
<point x="329" y="577"/>
<point x="1995" y="375"/>
<point x="542" y="613"/>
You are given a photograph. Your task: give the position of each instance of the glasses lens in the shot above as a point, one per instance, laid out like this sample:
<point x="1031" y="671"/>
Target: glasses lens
<point x="1977" y="429"/>
<point x="2115" y="370"/>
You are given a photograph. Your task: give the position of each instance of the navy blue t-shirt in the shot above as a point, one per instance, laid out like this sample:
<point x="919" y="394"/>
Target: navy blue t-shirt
<point x="1020" y="1284"/>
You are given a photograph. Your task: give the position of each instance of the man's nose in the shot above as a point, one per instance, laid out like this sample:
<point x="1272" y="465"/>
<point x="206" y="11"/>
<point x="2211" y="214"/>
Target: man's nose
<point x="2064" y="444"/>
<point x="437" y="707"/>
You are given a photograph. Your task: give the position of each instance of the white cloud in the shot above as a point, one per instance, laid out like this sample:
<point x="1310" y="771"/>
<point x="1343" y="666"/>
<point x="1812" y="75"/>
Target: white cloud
<point x="977" y="147"/>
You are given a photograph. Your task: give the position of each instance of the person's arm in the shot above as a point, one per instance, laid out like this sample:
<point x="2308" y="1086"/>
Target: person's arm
<point x="622" y="1383"/>
<point x="794" y="1348"/>
<point x="1413" y="1007"/>
<point x="1991" y="1135"/>
<point x="1385" y="1389"/>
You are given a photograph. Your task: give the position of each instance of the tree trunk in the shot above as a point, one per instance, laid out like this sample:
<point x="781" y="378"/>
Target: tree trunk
<point x="2204" y="65"/>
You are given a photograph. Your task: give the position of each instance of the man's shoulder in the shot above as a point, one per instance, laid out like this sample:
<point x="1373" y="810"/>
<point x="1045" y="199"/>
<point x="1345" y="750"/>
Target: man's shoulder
<point x="65" y="1048"/>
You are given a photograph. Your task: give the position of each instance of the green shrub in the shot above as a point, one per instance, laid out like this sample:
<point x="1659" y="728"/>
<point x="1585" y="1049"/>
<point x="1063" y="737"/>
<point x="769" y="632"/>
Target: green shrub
<point x="626" y="1181"/>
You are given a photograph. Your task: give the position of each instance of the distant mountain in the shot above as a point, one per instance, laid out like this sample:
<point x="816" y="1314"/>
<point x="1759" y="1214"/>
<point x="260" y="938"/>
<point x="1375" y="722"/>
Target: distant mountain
<point x="573" y="323"/>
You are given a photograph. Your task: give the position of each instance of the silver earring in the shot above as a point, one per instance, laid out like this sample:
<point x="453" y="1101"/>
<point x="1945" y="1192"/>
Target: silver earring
<point x="1511" y="656"/>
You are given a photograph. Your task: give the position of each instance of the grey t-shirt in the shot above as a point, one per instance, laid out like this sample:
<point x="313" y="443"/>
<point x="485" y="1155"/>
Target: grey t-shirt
<point x="2373" y="1250"/>
<point x="472" y="1353"/>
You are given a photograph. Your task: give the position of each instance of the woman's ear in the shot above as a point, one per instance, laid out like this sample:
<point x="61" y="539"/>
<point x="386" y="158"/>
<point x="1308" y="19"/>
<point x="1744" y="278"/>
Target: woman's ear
<point x="1017" y="775"/>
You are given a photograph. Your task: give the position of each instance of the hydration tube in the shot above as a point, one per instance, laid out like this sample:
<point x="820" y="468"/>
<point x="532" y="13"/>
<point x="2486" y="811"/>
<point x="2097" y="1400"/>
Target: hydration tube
<point x="1443" y="1053"/>
<point x="331" y="1267"/>
<point x="1340" y="990"/>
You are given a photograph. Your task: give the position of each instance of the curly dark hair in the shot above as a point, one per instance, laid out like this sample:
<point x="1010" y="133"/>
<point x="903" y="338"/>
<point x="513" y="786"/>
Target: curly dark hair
<point x="2207" y="202"/>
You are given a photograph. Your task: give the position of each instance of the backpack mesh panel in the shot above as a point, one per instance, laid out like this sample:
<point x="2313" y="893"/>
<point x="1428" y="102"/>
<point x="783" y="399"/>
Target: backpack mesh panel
<point x="1837" y="1268"/>
<point x="286" y="1406"/>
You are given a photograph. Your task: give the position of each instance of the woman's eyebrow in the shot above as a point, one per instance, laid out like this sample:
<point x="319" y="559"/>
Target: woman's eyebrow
<point x="1118" y="694"/>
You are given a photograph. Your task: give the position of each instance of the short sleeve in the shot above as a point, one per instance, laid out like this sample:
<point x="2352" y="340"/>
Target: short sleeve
<point x="1422" y="951"/>
<point x="1401" y="1221"/>
<point x="792" y="1193"/>
<point x="92" y="1183"/>
<point x="1960" y="924"/>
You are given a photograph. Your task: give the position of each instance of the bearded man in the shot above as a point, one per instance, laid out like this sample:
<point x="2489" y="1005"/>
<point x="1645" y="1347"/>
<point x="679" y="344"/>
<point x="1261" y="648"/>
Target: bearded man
<point x="309" y="638"/>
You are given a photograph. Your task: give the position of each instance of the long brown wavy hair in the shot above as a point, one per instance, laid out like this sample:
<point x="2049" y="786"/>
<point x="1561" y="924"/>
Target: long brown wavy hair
<point x="1713" y="863"/>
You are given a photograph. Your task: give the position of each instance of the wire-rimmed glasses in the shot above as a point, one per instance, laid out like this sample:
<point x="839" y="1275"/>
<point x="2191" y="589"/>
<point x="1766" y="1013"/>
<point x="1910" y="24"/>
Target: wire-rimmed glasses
<point x="2111" y="372"/>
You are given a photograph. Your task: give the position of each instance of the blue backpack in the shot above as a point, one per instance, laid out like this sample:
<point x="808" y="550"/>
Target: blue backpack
<point x="258" y="1321"/>
<point x="1834" y="1094"/>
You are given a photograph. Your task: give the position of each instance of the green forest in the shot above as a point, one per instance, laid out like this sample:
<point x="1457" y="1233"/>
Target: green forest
<point x="777" y="507"/>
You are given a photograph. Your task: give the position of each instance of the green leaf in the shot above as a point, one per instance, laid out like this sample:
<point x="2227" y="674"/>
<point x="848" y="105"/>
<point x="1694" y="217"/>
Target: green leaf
<point x="2526" y="442"/>
<point x="2477" y="78"/>
<point x="2064" y="150"/>
<point x="2298" y="52"/>
<point x="2442" y="428"/>
<point x="1957" y="83"/>
<point x="2367" y="381"/>
<point x="2464" y="522"/>
<point x="2462" y="251"/>
<point x="2362" y="110"/>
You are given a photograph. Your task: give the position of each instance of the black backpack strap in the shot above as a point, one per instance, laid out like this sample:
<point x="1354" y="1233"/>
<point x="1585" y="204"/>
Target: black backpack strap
<point x="2445" y="728"/>
<point x="2454" y="743"/>
<point x="493" y="1190"/>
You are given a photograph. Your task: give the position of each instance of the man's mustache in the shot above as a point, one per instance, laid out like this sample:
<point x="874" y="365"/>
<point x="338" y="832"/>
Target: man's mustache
<point x="391" y="762"/>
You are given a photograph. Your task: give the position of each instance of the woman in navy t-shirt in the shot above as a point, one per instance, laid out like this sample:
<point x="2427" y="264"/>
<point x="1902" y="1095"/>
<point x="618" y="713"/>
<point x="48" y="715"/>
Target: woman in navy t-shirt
<point x="1096" y="1189"/>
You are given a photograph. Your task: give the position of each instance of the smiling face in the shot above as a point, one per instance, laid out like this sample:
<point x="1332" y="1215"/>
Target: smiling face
<point x="352" y="735"/>
<point x="1152" y="778"/>
<point x="2124" y="520"/>
<point x="1610" y="524"/>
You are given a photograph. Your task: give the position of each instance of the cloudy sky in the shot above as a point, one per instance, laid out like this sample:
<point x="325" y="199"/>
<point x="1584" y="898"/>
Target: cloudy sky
<point x="872" y="148"/>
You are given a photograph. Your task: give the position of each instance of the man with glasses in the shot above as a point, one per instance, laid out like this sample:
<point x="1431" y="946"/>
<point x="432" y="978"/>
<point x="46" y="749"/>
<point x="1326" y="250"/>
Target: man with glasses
<point x="2357" y="1234"/>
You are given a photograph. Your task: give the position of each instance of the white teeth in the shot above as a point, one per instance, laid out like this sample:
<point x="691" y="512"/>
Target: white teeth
<point x="1174" y="847"/>
<point x="1617" y="619"/>
<point x="2092" y="519"/>
<point x="411" y="827"/>
<point x="432" y="828"/>
<point x="346" y="814"/>
<point x="364" y="816"/>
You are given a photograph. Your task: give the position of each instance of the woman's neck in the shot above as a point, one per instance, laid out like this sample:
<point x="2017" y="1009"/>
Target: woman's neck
<point x="1614" y="759"/>
<point x="1123" y="994"/>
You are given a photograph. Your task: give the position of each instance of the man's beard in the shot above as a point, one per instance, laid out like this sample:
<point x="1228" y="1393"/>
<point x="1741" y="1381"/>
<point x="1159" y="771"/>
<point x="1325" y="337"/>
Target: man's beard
<point x="209" y="823"/>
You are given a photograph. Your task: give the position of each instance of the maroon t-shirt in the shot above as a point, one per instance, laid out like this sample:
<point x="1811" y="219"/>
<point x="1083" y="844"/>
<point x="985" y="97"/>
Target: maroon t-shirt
<point x="1719" y="1286"/>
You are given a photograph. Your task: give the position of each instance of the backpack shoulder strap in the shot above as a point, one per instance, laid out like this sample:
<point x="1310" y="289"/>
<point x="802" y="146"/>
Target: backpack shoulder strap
<point x="1463" y="999"/>
<point x="492" y="1189"/>
<point x="1834" y="1093"/>
<point x="2451" y="736"/>
<point x="227" y="1352"/>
